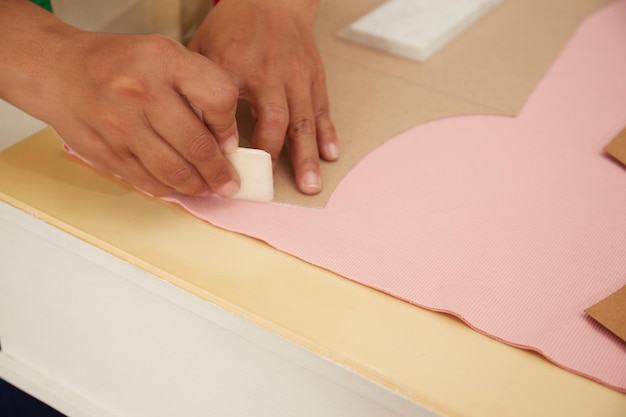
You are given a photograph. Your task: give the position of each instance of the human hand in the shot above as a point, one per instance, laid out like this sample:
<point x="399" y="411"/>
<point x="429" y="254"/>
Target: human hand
<point x="126" y="103"/>
<point x="268" y="47"/>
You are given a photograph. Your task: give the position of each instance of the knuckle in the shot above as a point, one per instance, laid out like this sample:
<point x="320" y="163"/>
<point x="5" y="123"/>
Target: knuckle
<point x="230" y="56"/>
<point x="266" y="64"/>
<point x="131" y="85"/>
<point x="271" y="67"/>
<point x="324" y="126"/>
<point x="276" y="116"/>
<point x="303" y="68"/>
<point x="160" y="46"/>
<point x="220" y="175"/>
<point x="302" y="127"/>
<point x="136" y="80"/>
<point x="227" y="96"/>
<point x="114" y="123"/>
<point x="201" y="147"/>
<point x="322" y="112"/>
<point x="180" y="175"/>
<point x="306" y="69"/>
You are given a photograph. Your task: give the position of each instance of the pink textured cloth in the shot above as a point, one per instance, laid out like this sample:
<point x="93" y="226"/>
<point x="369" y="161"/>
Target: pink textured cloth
<point x="513" y="225"/>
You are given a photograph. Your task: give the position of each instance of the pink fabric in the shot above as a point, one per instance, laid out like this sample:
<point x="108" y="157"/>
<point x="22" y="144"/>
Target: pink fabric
<point x="514" y="225"/>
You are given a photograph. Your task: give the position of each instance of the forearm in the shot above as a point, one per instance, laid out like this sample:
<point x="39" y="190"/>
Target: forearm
<point x="30" y="43"/>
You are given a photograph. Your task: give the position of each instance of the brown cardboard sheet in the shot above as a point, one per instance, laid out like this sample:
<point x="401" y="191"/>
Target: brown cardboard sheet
<point x="617" y="147"/>
<point x="489" y="69"/>
<point x="611" y="312"/>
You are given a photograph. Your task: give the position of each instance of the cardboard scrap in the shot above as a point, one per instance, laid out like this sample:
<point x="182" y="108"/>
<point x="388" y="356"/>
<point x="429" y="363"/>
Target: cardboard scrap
<point x="611" y="312"/>
<point x="617" y="147"/>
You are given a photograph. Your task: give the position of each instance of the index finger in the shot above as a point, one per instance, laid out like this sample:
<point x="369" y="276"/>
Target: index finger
<point x="211" y="91"/>
<point x="302" y="137"/>
<point x="270" y="105"/>
<point x="174" y="120"/>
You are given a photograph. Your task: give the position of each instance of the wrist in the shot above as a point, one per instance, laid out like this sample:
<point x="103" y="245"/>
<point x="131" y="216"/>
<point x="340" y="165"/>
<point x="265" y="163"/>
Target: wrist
<point x="32" y="39"/>
<point x="305" y="8"/>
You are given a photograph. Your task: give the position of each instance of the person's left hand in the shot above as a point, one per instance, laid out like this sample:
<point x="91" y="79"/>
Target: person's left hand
<point x="268" y="47"/>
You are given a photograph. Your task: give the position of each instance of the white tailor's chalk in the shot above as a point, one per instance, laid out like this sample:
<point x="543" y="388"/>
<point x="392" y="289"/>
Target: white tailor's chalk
<point x="415" y="29"/>
<point x="254" y="167"/>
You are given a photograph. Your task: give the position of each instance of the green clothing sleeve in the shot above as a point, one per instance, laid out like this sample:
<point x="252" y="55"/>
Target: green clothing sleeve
<point x="44" y="3"/>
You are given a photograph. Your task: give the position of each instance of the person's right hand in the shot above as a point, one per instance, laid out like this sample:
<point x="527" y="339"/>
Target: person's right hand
<point x="126" y="103"/>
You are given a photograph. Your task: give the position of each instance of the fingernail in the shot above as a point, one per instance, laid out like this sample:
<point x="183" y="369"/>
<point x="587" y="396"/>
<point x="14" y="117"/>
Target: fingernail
<point x="230" y="145"/>
<point x="332" y="151"/>
<point x="207" y="193"/>
<point x="228" y="189"/>
<point x="311" y="182"/>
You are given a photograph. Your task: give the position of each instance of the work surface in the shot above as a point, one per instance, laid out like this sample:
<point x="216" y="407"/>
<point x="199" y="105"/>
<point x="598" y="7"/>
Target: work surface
<point x="430" y="358"/>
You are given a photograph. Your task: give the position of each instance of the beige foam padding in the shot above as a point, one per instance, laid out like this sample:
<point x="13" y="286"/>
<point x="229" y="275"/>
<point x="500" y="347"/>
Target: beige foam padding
<point x="491" y="68"/>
